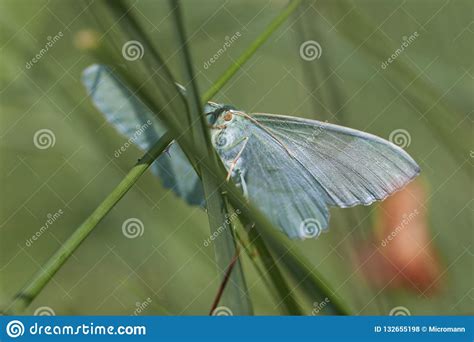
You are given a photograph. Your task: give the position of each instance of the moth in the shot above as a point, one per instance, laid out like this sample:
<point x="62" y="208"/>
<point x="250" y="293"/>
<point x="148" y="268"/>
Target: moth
<point x="292" y="169"/>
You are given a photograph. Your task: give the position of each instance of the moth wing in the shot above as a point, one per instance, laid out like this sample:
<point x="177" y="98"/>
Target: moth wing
<point x="353" y="167"/>
<point x="136" y="122"/>
<point x="280" y="187"/>
<point x="295" y="168"/>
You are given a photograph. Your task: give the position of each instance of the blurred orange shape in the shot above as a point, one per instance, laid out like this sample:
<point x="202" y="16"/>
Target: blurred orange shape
<point x="403" y="253"/>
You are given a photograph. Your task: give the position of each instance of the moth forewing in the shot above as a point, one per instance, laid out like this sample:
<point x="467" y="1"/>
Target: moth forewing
<point x="295" y="168"/>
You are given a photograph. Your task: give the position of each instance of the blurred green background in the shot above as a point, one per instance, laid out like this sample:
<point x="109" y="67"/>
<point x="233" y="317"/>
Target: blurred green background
<point x="168" y="267"/>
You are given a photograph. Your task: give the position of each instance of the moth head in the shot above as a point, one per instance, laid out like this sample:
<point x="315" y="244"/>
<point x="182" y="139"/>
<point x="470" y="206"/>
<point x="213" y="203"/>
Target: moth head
<point x="217" y="112"/>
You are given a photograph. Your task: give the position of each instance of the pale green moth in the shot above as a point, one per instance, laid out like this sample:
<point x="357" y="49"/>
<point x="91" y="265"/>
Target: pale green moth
<point x="293" y="169"/>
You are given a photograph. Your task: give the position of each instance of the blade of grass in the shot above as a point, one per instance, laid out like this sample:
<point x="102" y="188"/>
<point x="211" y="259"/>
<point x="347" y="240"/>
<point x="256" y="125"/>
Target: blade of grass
<point x="272" y="269"/>
<point x="251" y="215"/>
<point x="250" y="51"/>
<point x="145" y="73"/>
<point x="251" y="253"/>
<point x="25" y="296"/>
<point x="224" y="244"/>
<point x="311" y="282"/>
<point x="326" y="100"/>
<point x="276" y="243"/>
<point x="279" y="287"/>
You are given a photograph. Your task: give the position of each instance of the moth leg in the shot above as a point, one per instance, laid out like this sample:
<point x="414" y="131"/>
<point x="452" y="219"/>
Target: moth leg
<point x="237" y="157"/>
<point x="244" y="185"/>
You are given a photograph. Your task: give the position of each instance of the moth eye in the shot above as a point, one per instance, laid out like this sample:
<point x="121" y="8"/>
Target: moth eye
<point x="221" y="140"/>
<point x="228" y="116"/>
